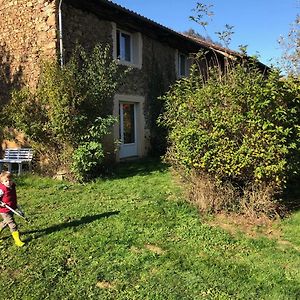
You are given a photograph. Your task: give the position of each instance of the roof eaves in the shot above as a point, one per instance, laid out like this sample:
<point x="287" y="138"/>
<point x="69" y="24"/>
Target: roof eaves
<point x="156" y="24"/>
<point x="201" y="43"/>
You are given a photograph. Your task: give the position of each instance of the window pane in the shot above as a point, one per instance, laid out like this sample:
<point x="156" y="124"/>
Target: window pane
<point x="182" y="65"/>
<point x="118" y="44"/>
<point x="128" y="123"/>
<point x="125" y="47"/>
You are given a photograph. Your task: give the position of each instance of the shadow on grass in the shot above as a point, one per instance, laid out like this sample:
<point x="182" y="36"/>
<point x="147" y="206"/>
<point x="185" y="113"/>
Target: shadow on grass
<point x="82" y="221"/>
<point x="125" y="169"/>
<point x="140" y="167"/>
<point x="291" y="196"/>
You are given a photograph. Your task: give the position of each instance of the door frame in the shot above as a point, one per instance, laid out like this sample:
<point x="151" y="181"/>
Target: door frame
<point x="129" y="149"/>
<point x="140" y="121"/>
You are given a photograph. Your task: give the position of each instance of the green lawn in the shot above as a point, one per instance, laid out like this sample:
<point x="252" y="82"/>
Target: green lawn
<point x="133" y="236"/>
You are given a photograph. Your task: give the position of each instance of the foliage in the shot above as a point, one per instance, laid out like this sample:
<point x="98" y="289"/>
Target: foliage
<point x="135" y="237"/>
<point x="290" y="44"/>
<point x="239" y="126"/>
<point x="237" y="131"/>
<point x="203" y="14"/>
<point x="67" y="102"/>
<point x="9" y="78"/>
<point x="252" y="201"/>
<point x="226" y="35"/>
<point x="89" y="155"/>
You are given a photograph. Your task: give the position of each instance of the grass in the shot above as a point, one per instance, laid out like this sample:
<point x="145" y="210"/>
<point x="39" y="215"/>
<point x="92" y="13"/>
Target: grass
<point x="133" y="236"/>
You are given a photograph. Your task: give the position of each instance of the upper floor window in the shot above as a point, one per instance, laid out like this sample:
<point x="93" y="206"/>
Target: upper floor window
<point x="124" y="46"/>
<point x="182" y="65"/>
<point x="127" y="47"/>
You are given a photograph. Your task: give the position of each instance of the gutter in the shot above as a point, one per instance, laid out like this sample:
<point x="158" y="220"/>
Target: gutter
<point x="60" y="34"/>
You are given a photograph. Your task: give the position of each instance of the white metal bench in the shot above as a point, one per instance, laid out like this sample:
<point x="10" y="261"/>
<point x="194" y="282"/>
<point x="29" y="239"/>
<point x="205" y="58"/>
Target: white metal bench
<point x="18" y="156"/>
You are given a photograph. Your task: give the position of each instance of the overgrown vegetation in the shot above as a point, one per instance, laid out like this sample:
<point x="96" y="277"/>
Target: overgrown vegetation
<point x="238" y="128"/>
<point x="69" y="105"/>
<point x="135" y="237"/>
<point x="234" y="130"/>
<point x="90" y="153"/>
<point x="290" y="60"/>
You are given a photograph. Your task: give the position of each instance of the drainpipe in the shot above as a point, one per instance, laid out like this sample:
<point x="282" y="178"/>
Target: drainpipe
<point x="60" y="34"/>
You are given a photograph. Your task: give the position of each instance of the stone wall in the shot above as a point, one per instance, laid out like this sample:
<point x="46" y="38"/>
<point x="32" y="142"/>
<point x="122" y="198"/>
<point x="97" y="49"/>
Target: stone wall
<point x="28" y="33"/>
<point x="154" y="79"/>
<point x="83" y="28"/>
<point x="159" y="74"/>
<point x="151" y="81"/>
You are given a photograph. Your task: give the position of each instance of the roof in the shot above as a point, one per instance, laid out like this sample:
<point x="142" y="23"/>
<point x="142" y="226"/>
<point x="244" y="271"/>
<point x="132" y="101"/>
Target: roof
<point x="131" y="20"/>
<point x="111" y="11"/>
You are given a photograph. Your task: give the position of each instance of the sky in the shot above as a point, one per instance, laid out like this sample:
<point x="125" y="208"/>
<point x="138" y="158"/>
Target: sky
<point x="257" y="23"/>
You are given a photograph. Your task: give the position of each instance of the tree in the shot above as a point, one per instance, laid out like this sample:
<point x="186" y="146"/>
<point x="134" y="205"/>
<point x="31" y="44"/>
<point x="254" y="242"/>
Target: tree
<point x="236" y="130"/>
<point x="290" y="60"/>
<point x="203" y="14"/>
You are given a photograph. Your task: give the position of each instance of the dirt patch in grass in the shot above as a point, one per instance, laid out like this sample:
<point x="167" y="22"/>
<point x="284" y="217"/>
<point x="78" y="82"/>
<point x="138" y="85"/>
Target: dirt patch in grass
<point x="136" y="250"/>
<point x="253" y="227"/>
<point x="283" y="245"/>
<point x="154" y="249"/>
<point x="105" y="285"/>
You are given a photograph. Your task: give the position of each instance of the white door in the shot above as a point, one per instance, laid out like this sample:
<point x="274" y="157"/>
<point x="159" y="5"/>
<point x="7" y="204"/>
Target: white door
<point x="128" y="130"/>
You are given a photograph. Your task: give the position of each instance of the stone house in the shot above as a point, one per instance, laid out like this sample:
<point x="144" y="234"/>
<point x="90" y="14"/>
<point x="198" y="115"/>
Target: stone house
<point x="31" y="30"/>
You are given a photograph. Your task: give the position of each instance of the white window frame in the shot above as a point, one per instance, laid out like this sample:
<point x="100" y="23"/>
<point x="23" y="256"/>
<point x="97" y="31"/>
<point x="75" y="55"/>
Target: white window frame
<point x="122" y="48"/>
<point x="136" y="46"/>
<point x="182" y="58"/>
<point x="179" y="71"/>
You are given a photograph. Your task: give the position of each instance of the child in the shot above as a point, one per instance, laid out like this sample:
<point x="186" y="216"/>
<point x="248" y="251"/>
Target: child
<point x="8" y="196"/>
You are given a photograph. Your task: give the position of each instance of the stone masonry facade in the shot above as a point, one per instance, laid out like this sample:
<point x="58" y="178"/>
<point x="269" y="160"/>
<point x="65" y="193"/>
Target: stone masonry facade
<point x="28" y="34"/>
<point x="152" y="80"/>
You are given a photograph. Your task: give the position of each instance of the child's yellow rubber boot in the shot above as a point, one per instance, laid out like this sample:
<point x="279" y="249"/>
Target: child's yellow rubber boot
<point x="17" y="240"/>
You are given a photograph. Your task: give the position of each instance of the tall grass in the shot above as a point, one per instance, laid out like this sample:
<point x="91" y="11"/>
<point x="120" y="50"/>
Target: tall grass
<point x="209" y="196"/>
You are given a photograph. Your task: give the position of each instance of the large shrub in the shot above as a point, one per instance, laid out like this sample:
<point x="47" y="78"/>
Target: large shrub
<point x="238" y="126"/>
<point x="65" y="107"/>
<point x="86" y="157"/>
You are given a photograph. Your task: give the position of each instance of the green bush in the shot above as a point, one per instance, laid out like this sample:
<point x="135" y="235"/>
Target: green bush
<point x="89" y="155"/>
<point x="238" y="126"/>
<point x="67" y="105"/>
